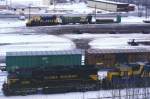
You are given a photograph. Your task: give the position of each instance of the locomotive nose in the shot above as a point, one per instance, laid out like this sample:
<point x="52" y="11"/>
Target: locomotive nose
<point x="102" y="75"/>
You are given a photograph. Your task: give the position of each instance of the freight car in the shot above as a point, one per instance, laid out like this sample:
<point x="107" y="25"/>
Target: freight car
<point x="29" y="59"/>
<point x="63" y="20"/>
<point x="112" y="57"/>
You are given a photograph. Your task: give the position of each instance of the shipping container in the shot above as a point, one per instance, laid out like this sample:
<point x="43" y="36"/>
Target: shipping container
<point x="30" y="59"/>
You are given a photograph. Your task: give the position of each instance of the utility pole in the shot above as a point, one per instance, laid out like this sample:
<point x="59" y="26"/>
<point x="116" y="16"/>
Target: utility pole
<point x="95" y="11"/>
<point x="146" y="8"/>
<point x="10" y="6"/>
<point x="54" y="4"/>
<point x="6" y="4"/>
<point x="29" y="11"/>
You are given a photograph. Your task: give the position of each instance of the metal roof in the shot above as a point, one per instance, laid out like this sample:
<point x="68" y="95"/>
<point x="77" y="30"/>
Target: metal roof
<point x="104" y="51"/>
<point x="109" y="2"/>
<point x="36" y="53"/>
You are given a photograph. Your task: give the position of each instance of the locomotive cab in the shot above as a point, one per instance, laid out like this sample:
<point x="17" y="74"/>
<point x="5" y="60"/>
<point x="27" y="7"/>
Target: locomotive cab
<point x="102" y="75"/>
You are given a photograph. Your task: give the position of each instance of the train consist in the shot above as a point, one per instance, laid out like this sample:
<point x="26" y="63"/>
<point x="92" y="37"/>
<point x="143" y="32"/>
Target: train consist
<point x="48" y="72"/>
<point x="63" y="20"/>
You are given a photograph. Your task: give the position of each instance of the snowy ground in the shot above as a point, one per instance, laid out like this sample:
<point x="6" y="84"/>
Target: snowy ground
<point x="133" y="19"/>
<point x="32" y="43"/>
<point x="7" y="23"/>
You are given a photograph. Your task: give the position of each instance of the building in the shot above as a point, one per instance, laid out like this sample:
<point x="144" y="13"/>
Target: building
<point x="22" y="9"/>
<point x="108" y="5"/>
<point x="3" y="4"/>
<point x="47" y="2"/>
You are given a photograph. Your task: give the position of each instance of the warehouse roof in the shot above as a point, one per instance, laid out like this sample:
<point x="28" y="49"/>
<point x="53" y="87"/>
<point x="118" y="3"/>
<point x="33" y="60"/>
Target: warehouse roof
<point x="33" y="53"/>
<point x="117" y="50"/>
<point x="110" y="2"/>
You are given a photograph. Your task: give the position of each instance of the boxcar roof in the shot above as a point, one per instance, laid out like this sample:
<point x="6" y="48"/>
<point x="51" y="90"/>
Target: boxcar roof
<point x="35" y="53"/>
<point x="103" y="51"/>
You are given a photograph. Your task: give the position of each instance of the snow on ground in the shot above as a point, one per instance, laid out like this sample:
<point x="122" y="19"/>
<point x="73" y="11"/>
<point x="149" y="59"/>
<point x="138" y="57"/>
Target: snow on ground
<point x="24" y="2"/>
<point x="31" y="39"/>
<point x="104" y="36"/>
<point x="114" y="43"/>
<point x="110" y="41"/>
<point x="5" y="23"/>
<point x="33" y="43"/>
<point x="132" y="19"/>
<point x="119" y="42"/>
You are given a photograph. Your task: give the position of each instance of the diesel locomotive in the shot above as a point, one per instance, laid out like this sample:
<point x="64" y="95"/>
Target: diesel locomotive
<point x="46" y="72"/>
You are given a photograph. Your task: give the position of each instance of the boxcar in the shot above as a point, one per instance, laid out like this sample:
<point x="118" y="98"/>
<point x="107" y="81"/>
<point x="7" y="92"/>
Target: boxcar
<point x="112" y="57"/>
<point x="31" y="59"/>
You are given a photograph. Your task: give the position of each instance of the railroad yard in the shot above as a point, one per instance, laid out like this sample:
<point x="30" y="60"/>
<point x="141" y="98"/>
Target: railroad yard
<point x="103" y="38"/>
<point x="74" y="49"/>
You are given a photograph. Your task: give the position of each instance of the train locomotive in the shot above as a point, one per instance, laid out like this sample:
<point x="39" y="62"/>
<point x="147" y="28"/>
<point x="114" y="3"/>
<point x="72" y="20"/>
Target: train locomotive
<point x="46" y="72"/>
